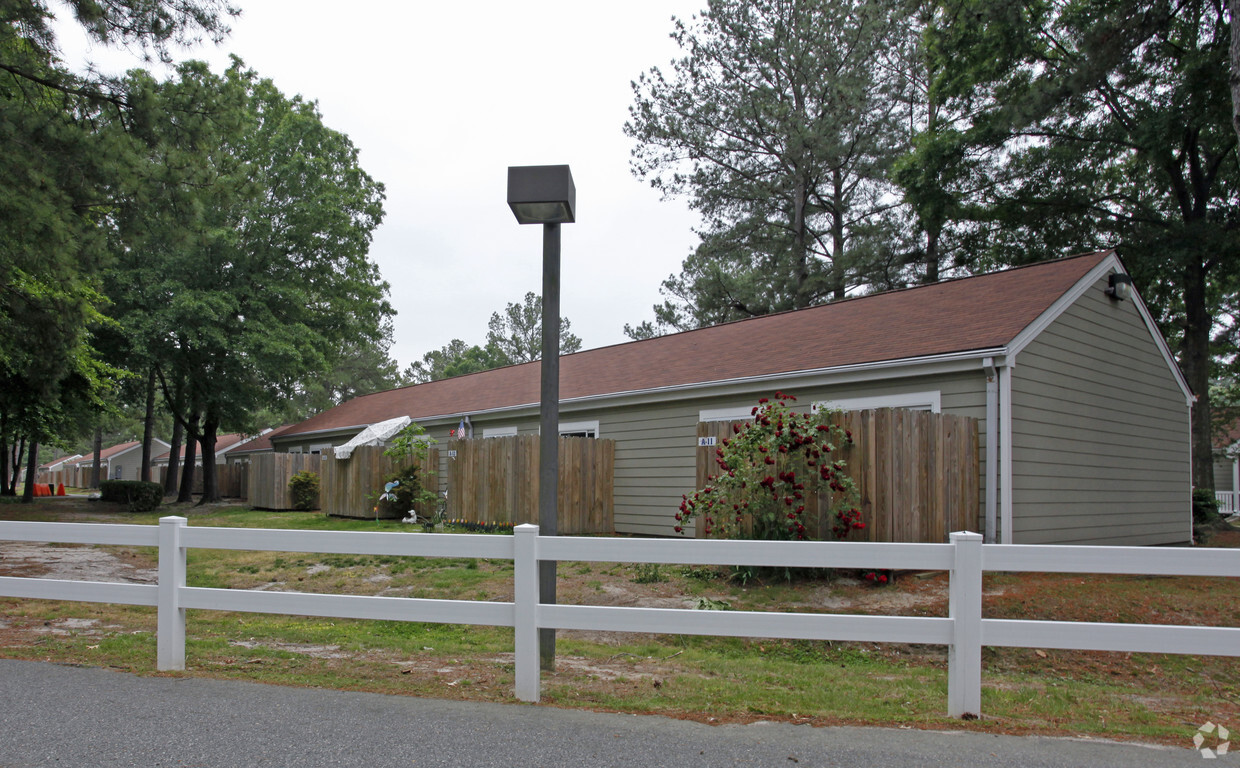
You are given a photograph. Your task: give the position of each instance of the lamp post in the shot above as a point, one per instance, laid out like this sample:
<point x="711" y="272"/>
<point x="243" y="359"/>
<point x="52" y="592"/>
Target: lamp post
<point x="544" y="194"/>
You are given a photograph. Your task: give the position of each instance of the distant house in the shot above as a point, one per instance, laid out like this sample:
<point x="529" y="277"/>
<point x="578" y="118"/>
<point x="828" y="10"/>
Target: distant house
<point x="45" y="470"/>
<point x="244" y="452"/>
<point x="1084" y="413"/>
<point x="224" y="444"/>
<point x="1227" y="470"/>
<point x="119" y="462"/>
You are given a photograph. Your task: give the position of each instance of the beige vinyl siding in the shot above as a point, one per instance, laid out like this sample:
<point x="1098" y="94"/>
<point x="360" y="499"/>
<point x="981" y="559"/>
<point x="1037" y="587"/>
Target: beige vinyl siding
<point x="1100" y="440"/>
<point x="656" y="454"/>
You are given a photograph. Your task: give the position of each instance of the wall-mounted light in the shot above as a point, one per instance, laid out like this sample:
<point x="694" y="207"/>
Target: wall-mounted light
<point x="1119" y="286"/>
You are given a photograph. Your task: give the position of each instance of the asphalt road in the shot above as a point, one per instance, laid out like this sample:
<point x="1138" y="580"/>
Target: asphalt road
<point x="54" y="715"/>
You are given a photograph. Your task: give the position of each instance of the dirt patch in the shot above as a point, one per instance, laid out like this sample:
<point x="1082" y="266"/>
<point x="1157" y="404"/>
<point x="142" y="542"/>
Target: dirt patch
<point x="74" y="562"/>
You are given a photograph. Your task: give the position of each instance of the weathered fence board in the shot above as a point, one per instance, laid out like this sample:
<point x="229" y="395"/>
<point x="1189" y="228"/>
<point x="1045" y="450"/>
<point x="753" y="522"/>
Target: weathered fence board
<point x="350" y="487"/>
<point x="495" y="480"/>
<point x="916" y="473"/>
<point x="269" y="474"/>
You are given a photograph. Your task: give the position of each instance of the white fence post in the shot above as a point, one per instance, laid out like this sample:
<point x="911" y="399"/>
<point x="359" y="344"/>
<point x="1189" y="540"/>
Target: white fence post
<point x="964" y="656"/>
<point x="170" y="626"/>
<point x="525" y="607"/>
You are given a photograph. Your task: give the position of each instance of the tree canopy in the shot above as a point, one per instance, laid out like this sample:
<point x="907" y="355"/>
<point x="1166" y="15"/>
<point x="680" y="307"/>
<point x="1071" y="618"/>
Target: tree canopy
<point x="244" y="272"/>
<point x="779" y="125"/>
<point x="513" y="337"/>
<point x="1104" y="124"/>
<point x="70" y="158"/>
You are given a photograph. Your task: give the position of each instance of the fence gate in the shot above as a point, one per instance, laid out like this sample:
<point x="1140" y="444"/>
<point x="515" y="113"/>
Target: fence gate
<point x="495" y="480"/>
<point x="269" y="474"/>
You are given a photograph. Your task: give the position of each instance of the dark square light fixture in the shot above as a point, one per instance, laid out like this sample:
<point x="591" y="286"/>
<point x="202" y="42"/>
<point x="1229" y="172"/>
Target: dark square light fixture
<point x="1119" y="286"/>
<point x="542" y="194"/>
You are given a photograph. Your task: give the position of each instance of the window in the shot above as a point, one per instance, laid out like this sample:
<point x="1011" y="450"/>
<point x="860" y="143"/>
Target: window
<point x="499" y="431"/>
<point x="913" y="401"/>
<point x="579" y="428"/>
<point x="739" y="413"/>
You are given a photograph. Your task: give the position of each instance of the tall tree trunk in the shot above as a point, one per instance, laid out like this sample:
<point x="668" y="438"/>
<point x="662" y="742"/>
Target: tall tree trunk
<point x="1195" y="360"/>
<point x="5" y="488"/>
<point x="19" y="451"/>
<point x="1235" y="66"/>
<point x="94" y="482"/>
<point x="148" y="428"/>
<point x="174" y="459"/>
<point x="210" y="482"/>
<point x="932" y="255"/>
<point x="187" y="468"/>
<point x="32" y="463"/>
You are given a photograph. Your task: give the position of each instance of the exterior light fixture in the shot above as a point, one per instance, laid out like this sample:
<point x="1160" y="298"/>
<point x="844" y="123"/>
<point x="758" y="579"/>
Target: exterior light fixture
<point x="1119" y="286"/>
<point x="545" y="194"/>
<point x="542" y="194"/>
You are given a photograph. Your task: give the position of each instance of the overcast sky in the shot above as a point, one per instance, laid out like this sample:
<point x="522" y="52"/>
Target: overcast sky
<point x="441" y="98"/>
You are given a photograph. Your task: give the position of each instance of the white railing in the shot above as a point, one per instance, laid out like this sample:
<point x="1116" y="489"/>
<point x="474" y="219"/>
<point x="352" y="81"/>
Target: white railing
<point x="964" y="631"/>
<point x="1227" y="503"/>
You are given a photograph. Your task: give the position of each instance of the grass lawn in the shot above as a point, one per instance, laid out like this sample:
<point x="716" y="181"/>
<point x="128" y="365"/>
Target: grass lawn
<point x="1144" y="697"/>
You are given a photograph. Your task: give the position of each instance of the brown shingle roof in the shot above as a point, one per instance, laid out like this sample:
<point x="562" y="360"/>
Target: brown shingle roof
<point x="222" y="442"/>
<point x="974" y="313"/>
<point x="108" y="452"/>
<point x="260" y="443"/>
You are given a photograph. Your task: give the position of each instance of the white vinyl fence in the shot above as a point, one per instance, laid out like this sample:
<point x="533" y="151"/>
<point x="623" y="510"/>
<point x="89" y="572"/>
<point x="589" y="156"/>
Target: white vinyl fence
<point x="964" y="631"/>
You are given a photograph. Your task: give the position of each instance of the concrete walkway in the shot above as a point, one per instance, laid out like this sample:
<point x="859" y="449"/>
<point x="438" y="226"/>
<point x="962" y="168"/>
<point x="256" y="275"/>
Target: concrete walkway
<point x="53" y="715"/>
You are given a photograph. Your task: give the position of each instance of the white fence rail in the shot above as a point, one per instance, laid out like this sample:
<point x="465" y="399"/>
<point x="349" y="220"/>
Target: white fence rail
<point x="1228" y="502"/>
<point x="964" y="631"/>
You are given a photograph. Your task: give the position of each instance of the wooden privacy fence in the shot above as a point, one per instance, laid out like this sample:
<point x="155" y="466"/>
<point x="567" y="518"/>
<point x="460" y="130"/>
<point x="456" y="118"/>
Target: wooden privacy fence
<point x="350" y="487"/>
<point x="916" y="473"/>
<point x="495" y="480"/>
<point x="269" y="474"/>
<point x="233" y="480"/>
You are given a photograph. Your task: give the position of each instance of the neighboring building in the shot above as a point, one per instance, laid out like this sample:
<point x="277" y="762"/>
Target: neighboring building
<point x="1084" y="413"/>
<point x="44" y="472"/>
<point x="118" y="462"/>
<point x="224" y="444"/>
<point x="1227" y="470"/>
<point x="241" y="454"/>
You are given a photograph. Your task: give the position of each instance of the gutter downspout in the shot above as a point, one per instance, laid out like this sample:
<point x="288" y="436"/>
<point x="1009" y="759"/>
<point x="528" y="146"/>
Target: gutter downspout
<point x="1006" y="534"/>
<point x="992" y="448"/>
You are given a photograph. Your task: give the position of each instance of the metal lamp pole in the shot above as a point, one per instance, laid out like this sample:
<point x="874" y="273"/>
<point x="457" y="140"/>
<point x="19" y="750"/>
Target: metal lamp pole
<point x="545" y="194"/>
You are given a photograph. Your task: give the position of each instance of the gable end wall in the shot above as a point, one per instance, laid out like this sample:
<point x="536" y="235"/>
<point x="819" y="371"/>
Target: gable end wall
<point x="1100" y="433"/>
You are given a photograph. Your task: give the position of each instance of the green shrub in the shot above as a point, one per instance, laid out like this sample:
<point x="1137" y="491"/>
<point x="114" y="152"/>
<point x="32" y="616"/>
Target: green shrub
<point x="140" y="496"/>
<point x="304" y="488"/>
<point x="1205" y="506"/>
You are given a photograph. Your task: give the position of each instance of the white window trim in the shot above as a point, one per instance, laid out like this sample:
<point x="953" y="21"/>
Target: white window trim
<point x="739" y="413"/>
<point x="580" y="426"/>
<point x="499" y="431"/>
<point x="917" y="401"/>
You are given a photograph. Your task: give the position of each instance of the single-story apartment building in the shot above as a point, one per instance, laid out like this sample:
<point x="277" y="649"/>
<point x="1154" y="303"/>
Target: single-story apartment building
<point x="119" y="462"/>
<point x="224" y="445"/>
<point x="1083" y="411"/>
<point x="243" y="453"/>
<point x="55" y="465"/>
